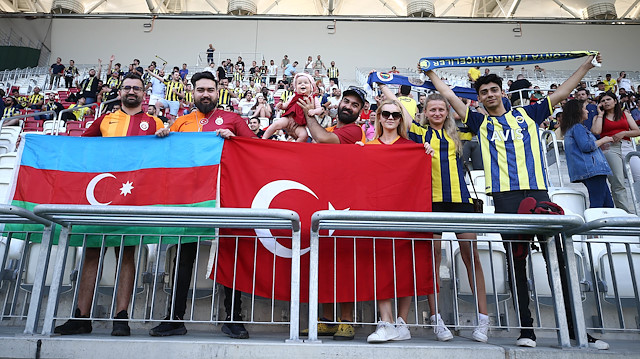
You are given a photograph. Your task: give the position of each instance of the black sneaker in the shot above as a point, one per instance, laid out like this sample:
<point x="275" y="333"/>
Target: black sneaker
<point x="235" y="330"/>
<point x="527" y="338"/>
<point x="74" y="326"/>
<point x="121" y="328"/>
<point x="166" y="329"/>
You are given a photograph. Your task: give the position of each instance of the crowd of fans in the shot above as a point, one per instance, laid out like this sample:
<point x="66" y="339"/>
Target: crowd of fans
<point x="600" y="123"/>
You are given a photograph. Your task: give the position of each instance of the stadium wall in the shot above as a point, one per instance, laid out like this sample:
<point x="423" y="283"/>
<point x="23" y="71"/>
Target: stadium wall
<point x="365" y="43"/>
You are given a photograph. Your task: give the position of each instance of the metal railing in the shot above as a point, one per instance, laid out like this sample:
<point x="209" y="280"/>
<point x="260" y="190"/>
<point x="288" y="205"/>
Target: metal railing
<point x="635" y="194"/>
<point x="69" y="216"/>
<point x="16" y="215"/>
<point x="547" y="225"/>
<point x="554" y="143"/>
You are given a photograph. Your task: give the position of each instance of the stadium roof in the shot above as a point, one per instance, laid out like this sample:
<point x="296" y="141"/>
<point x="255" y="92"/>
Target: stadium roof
<point x="571" y="9"/>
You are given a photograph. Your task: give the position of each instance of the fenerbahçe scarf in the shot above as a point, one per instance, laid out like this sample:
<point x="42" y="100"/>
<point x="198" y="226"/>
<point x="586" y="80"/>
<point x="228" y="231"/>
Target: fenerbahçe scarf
<point x="430" y="63"/>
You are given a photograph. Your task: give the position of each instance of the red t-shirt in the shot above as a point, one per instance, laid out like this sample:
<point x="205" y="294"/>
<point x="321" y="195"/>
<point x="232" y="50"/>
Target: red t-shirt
<point x="349" y="134"/>
<point x="397" y="141"/>
<point x="198" y="122"/>
<point x="610" y="128"/>
<point x="365" y="115"/>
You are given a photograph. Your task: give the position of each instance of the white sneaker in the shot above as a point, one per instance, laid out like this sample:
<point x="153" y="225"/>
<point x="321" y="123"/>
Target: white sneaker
<point x="480" y="333"/>
<point x="402" y="329"/>
<point x="442" y="333"/>
<point x="384" y="332"/>
<point x="597" y="343"/>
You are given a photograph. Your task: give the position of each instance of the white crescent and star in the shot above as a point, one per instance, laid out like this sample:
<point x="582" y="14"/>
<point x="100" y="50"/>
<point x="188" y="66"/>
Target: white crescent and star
<point x="263" y="199"/>
<point x="91" y="187"/>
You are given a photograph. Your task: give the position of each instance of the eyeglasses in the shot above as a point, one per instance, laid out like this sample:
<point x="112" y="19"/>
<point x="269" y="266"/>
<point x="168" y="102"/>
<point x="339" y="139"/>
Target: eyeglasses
<point x="387" y="114"/>
<point x="129" y="88"/>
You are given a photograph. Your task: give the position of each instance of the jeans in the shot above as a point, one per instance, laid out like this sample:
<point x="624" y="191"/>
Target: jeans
<point x="599" y="194"/>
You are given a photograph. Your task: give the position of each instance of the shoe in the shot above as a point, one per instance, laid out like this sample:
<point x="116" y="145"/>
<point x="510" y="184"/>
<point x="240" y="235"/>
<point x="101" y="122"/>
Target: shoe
<point x="324" y="329"/>
<point x="402" y="329"/>
<point x="480" y="333"/>
<point x="121" y="328"/>
<point x="344" y="332"/>
<point x="235" y="330"/>
<point x="384" y="332"/>
<point x="166" y="329"/>
<point x="74" y="326"/>
<point x="597" y="343"/>
<point x="442" y="332"/>
<point x="527" y="338"/>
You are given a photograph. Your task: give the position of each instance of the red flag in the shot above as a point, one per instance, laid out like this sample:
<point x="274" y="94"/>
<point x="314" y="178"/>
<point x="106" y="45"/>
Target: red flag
<point x="310" y="177"/>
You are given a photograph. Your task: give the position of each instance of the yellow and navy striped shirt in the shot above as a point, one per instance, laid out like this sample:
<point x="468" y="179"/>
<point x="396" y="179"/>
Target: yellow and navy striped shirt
<point x="511" y="147"/>
<point x="465" y="133"/>
<point x="237" y="76"/>
<point x="285" y="95"/>
<point x="114" y="82"/>
<point x="333" y="72"/>
<point x="447" y="171"/>
<point x="224" y="98"/>
<point x="188" y="97"/>
<point x="35" y="98"/>
<point x="10" y="112"/>
<point x="171" y="85"/>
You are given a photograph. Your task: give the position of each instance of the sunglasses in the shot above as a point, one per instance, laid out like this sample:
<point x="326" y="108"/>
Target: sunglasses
<point x="387" y="114"/>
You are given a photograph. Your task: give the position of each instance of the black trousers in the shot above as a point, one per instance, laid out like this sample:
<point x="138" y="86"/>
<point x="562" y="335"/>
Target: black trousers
<point x="508" y="202"/>
<point x="188" y="253"/>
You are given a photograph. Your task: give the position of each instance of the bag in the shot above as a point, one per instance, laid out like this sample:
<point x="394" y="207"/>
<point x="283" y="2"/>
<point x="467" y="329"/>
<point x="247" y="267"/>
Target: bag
<point x="478" y="204"/>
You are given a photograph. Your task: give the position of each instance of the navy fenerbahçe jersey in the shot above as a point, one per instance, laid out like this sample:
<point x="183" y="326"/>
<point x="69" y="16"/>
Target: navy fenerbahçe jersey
<point x="447" y="173"/>
<point x="511" y="147"/>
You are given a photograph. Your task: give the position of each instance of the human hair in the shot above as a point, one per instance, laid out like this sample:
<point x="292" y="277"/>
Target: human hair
<point x="486" y="79"/>
<point x="203" y="75"/>
<point x="617" y="109"/>
<point x="571" y="114"/>
<point x="449" y="123"/>
<point x="133" y="77"/>
<point x="585" y="90"/>
<point x="405" y="90"/>
<point x="402" y="126"/>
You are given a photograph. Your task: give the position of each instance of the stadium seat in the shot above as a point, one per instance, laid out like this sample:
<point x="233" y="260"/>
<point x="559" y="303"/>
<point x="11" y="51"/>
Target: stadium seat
<point x="569" y="199"/>
<point x="619" y="258"/>
<point x="74" y="124"/>
<point x="87" y="124"/>
<point x="8" y="159"/>
<point x="75" y="132"/>
<point x="32" y="262"/>
<point x="6" y="174"/>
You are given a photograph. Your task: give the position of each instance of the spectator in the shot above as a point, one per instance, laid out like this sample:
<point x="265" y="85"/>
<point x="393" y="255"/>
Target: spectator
<point x="221" y="72"/>
<point x="158" y="88"/>
<point x="90" y="85"/>
<point x="333" y="73"/>
<point x="536" y="95"/>
<point x="308" y="66"/>
<point x="152" y="111"/>
<point x="394" y="70"/>
<point x="210" y="52"/>
<point x="226" y="124"/>
<point x="211" y="68"/>
<point x="245" y="104"/>
<point x="585" y="161"/>
<point x="254" y="126"/>
<point x="583" y="95"/>
<point x="624" y="82"/>
<point x="138" y="69"/>
<point x="407" y="102"/>
<point x="52" y="105"/>
<point x="264" y="70"/>
<point x="261" y="109"/>
<point x="369" y="125"/>
<point x="610" y="85"/>
<point x="184" y="72"/>
<point x="110" y="125"/>
<point x="618" y="124"/>
<point x="600" y="89"/>
<point x="70" y="73"/>
<point x="174" y="93"/>
<point x="10" y="110"/>
<point x="473" y="74"/>
<point x="80" y="112"/>
<point x="224" y="95"/>
<point x="333" y="102"/>
<point x="319" y="65"/>
<point x="273" y="72"/>
<point x="240" y="64"/>
<point x="285" y="62"/>
<point x="36" y="100"/>
<point x="290" y="71"/>
<point x="519" y="96"/>
<point x="56" y="71"/>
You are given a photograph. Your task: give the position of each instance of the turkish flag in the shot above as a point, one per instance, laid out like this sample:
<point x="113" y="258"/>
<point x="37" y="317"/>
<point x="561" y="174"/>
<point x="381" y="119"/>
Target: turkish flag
<point x="307" y="178"/>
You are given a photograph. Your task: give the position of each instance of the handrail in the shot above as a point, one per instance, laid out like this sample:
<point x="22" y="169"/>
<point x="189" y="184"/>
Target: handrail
<point x="24" y="116"/>
<point x="628" y="226"/>
<point x="627" y="167"/>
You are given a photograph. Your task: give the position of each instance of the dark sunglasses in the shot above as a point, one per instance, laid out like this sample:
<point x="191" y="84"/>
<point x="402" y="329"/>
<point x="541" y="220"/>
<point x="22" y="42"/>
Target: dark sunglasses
<point x="387" y="114"/>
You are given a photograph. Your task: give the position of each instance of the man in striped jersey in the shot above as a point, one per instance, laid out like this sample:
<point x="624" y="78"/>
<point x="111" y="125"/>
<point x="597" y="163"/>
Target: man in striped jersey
<point x="333" y="73"/>
<point x="514" y="169"/>
<point x="173" y="94"/>
<point x="224" y="94"/>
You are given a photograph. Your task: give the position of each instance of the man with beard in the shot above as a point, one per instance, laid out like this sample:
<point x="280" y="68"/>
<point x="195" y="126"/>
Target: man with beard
<point x="226" y="124"/>
<point x="128" y="121"/>
<point x="90" y="86"/>
<point x="345" y="132"/>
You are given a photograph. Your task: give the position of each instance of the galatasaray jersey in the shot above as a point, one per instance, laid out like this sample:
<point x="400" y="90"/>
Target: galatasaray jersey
<point x="447" y="171"/>
<point x="119" y="124"/>
<point x="511" y="147"/>
<point x="196" y="121"/>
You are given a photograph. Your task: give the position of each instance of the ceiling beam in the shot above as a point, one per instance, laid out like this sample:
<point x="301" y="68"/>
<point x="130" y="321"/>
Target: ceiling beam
<point x="385" y="4"/>
<point x="8" y="6"/>
<point x="213" y="6"/>
<point x="565" y="8"/>
<point x="629" y="9"/>
<point x="95" y="6"/>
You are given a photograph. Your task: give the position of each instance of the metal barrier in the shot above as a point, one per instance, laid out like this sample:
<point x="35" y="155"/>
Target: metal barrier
<point x="33" y="114"/>
<point x="611" y="246"/>
<point x="635" y="193"/>
<point x="547" y="225"/>
<point x="16" y="215"/>
<point x="69" y="216"/>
